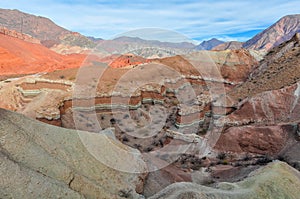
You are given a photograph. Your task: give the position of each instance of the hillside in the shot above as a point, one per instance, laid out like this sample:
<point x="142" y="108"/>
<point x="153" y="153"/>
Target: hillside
<point x="20" y="57"/>
<point x="279" y="68"/>
<point x="43" y="161"/>
<point x="283" y="30"/>
<point x="41" y="28"/>
<point x="231" y="45"/>
<point x="144" y="48"/>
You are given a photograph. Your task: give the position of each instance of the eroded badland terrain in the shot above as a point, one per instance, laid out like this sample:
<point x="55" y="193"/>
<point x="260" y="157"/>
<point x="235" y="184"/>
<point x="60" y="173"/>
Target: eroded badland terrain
<point x="132" y="118"/>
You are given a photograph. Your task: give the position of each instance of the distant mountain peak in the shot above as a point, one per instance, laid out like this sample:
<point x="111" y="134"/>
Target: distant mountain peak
<point x="214" y="40"/>
<point x="209" y="44"/>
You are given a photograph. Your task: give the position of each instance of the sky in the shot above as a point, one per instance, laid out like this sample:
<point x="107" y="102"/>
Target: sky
<point x="191" y="19"/>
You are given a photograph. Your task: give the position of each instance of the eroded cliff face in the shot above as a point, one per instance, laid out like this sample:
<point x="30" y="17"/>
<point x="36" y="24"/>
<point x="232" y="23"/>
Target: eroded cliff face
<point x="179" y="91"/>
<point x="266" y="106"/>
<point x="152" y="106"/>
<point x="15" y="34"/>
<point x="179" y="77"/>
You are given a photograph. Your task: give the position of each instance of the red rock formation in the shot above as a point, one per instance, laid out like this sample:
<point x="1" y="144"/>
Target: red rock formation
<point x="127" y="60"/>
<point x="254" y="139"/>
<point x="263" y="123"/>
<point x="233" y="65"/>
<point x="270" y="107"/>
<point x="21" y="57"/>
<point x="267" y="105"/>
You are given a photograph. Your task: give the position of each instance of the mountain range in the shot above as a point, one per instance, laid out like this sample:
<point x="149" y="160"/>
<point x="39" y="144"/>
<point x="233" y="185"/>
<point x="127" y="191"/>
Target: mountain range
<point x="64" y="41"/>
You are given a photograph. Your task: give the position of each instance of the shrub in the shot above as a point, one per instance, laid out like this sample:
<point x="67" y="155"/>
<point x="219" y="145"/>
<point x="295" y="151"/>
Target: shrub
<point x="238" y="164"/>
<point x="246" y="157"/>
<point x="264" y="160"/>
<point x="113" y="121"/>
<point x="221" y="156"/>
<point x="224" y="162"/>
<point x="125" y="193"/>
<point x="281" y="158"/>
<point x="137" y="146"/>
<point x="125" y="139"/>
<point x="148" y="149"/>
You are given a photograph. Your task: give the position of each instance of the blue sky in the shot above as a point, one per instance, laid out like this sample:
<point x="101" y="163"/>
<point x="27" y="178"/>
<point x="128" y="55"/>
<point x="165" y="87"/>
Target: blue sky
<point x="195" y="19"/>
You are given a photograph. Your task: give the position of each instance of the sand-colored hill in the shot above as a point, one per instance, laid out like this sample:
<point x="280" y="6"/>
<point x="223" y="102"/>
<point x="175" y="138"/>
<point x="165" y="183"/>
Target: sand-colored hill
<point x="43" y="161"/>
<point x="276" y="180"/>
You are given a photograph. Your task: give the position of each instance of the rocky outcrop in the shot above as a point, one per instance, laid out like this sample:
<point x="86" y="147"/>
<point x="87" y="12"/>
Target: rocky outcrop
<point x="266" y="106"/>
<point x="269" y="107"/>
<point x="128" y="60"/>
<point x="15" y="34"/>
<point x="255" y="139"/>
<point x="263" y="124"/>
<point x="283" y="30"/>
<point x="276" y="180"/>
<point x="42" y="161"/>
<point x="73" y="43"/>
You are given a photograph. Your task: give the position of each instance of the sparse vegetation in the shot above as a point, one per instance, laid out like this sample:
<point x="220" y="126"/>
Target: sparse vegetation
<point x="221" y="156"/>
<point x="265" y="159"/>
<point x="148" y="149"/>
<point x="112" y="121"/>
<point x="246" y="157"/>
<point x="125" y="139"/>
